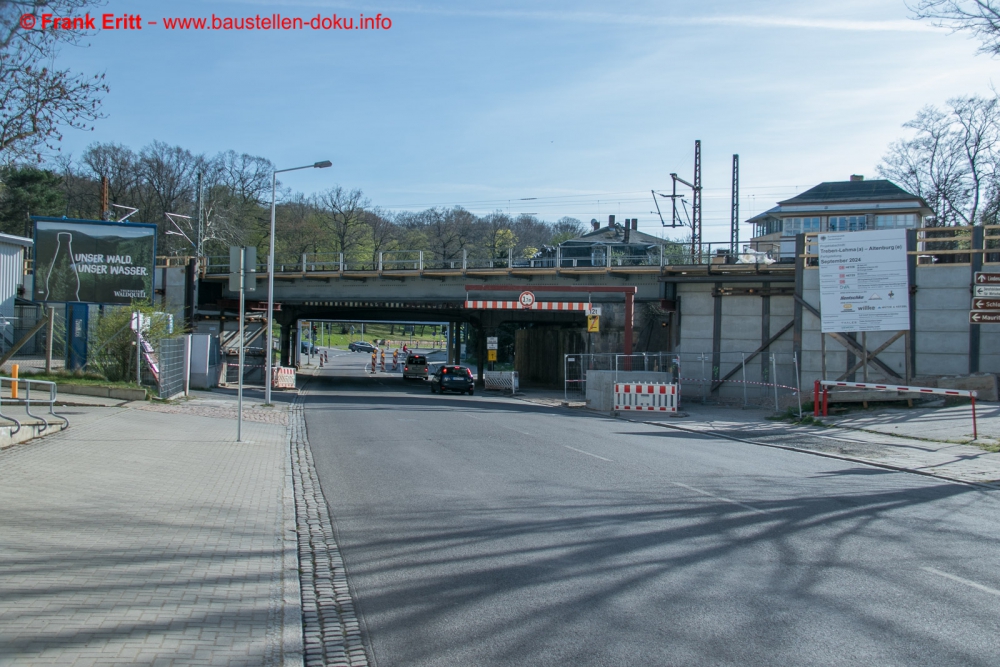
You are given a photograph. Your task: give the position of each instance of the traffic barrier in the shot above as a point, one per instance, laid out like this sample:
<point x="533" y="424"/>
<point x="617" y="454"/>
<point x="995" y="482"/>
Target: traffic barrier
<point x="502" y="380"/>
<point x="646" y="396"/>
<point x="283" y="377"/>
<point x="821" y="394"/>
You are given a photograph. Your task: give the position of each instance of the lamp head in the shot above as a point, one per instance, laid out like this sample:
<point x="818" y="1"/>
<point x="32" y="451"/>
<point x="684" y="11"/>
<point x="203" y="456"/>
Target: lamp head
<point x="323" y="165"/>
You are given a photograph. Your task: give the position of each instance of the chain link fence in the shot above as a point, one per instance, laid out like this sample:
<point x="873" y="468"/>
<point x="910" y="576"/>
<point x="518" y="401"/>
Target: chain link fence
<point x="171" y="354"/>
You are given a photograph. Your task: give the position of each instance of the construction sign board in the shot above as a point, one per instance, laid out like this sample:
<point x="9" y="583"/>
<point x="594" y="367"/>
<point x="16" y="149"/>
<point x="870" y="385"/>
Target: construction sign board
<point x="593" y="323"/>
<point x="864" y="282"/>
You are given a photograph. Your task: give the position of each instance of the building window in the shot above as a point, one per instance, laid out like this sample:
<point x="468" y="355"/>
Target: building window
<point x="848" y="223"/>
<point x="793" y="226"/>
<point x="897" y="221"/>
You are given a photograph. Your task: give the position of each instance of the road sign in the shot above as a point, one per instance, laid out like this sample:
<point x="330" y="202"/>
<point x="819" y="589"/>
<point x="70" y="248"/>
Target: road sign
<point x="984" y="316"/>
<point x="491" y="355"/>
<point x="491" y="342"/>
<point x="863" y="281"/>
<point x="986" y="304"/>
<point x="527" y="299"/>
<point x="987" y="278"/>
<point x="986" y="290"/>
<point x="593" y="310"/>
<point x="593" y="323"/>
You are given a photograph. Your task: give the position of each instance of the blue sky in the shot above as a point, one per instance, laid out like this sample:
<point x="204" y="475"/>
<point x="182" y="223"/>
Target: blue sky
<point x="585" y="106"/>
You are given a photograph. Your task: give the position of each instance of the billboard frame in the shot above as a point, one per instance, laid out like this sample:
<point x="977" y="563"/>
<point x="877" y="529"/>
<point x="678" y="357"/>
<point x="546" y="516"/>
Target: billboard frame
<point x="107" y="223"/>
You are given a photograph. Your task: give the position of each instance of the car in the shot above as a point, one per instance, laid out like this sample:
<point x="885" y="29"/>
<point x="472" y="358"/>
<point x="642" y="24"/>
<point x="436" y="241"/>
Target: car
<point x="453" y="378"/>
<point x="309" y="348"/>
<point x="415" y="367"/>
<point x="361" y="346"/>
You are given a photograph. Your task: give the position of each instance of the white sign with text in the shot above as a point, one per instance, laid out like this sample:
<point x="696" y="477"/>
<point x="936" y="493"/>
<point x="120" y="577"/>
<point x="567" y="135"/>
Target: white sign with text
<point x="863" y="283"/>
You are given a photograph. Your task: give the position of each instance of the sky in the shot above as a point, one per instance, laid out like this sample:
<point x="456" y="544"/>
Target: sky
<point x="553" y="108"/>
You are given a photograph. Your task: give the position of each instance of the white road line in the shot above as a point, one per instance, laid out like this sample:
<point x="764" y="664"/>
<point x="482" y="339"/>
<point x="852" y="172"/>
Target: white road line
<point x="718" y="497"/>
<point x="972" y="584"/>
<point x="588" y="453"/>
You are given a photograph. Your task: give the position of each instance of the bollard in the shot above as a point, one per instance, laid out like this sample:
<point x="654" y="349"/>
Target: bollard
<point x="13" y="385"/>
<point x="816" y="399"/>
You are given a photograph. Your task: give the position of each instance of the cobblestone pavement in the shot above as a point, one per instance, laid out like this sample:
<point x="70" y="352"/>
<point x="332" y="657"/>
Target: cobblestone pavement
<point x="332" y="633"/>
<point x="222" y="410"/>
<point x="140" y="537"/>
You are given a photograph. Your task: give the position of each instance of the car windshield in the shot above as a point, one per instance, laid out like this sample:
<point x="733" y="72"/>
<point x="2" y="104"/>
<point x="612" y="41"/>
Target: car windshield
<point x="417" y="360"/>
<point x="457" y="370"/>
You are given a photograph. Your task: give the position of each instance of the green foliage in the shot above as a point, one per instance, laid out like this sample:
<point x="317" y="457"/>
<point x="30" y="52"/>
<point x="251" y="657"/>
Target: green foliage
<point x="112" y="344"/>
<point x="27" y="191"/>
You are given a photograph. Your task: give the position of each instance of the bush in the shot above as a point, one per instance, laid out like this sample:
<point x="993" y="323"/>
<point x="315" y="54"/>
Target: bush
<point x="112" y="340"/>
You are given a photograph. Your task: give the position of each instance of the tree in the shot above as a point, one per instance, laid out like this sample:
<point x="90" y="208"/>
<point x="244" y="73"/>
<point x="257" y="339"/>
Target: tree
<point x="27" y="191"/>
<point x="980" y="17"/>
<point x="952" y="159"/>
<point x="566" y="228"/>
<point x="38" y="100"/>
<point x="343" y="216"/>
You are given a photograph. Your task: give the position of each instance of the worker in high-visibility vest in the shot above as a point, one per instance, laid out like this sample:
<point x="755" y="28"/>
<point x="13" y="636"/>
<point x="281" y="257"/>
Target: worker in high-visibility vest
<point x="374" y="360"/>
<point x="395" y="360"/>
<point x="383" y="360"/>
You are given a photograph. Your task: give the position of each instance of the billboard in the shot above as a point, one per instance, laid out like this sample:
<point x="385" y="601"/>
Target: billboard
<point x="93" y="261"/>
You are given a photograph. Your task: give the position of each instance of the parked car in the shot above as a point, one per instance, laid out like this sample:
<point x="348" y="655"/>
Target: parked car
<point x="453" y="378"/>
<point x="415" y="367"/>
<point x="309" y="348"/>
<point x="361" y="346"/>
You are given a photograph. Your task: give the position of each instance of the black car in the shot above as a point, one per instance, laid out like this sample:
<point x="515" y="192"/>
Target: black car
<point x="453" y="378"/>
<point x="361" y="346"/>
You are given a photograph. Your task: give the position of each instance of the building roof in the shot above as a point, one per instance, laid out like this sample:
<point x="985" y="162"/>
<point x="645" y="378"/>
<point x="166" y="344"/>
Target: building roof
<point x="761" y="217"/>
<point x="614" y="234"/>
<point x="859" y="191"/>
<point x="10" y="239"/>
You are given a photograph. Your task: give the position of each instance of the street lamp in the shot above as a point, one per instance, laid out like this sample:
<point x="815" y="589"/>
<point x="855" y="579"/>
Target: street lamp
<point x="270" y="275"/>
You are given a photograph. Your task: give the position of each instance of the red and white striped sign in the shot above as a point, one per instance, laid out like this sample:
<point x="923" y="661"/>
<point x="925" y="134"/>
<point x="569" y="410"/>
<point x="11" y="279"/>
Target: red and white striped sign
<point x="643" y="396"/>
<point x="537" y="305"/>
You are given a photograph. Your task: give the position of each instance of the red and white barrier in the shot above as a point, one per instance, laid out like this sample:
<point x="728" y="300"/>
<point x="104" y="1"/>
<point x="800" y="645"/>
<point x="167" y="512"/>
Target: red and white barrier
<point x="821" y="394"/>
<point x="516" y="305"/>
<point x="283" y="378"/>
<point x="646" y="396"/>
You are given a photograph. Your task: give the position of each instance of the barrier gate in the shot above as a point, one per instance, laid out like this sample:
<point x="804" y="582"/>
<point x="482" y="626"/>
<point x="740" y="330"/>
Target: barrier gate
<point x="646" y="396"/>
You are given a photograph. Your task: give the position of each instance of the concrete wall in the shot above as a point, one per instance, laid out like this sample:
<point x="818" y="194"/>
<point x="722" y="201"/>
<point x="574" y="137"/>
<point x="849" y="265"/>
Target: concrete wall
<point x="941" y="339"/>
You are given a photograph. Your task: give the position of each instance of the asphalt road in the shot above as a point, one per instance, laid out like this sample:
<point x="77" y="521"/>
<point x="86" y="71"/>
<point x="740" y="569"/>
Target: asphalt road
<point x="489" y="531"/>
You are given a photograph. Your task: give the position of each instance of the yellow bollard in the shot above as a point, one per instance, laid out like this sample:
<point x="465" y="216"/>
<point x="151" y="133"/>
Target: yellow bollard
<point x="13" y="385"/>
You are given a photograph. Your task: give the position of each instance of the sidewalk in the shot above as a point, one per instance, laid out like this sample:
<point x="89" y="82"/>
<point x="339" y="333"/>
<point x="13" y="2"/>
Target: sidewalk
<point x="930" y="441"/>
<point x="145" y="534"/>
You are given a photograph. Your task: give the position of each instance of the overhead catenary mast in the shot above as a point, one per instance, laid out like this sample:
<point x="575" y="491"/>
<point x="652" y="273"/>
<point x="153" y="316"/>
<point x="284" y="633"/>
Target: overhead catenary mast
<point x="734" y="222"/>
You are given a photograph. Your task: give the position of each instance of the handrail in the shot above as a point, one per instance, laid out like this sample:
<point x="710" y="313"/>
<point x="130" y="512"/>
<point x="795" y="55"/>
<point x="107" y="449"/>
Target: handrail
<point x="44" y="423"/>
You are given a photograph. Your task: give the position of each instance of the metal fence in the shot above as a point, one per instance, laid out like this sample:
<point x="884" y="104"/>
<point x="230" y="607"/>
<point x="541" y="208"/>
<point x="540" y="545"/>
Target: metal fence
<point x="576" y="366"/>
<point x="171" y="357"/>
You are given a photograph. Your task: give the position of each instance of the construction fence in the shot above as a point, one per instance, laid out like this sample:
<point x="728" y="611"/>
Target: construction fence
<point x="731" y="378"/>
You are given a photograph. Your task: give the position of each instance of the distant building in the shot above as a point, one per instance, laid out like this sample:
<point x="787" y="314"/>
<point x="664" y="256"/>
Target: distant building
<point x="626" y="244"/>
<point x="837" y="206"/>
<point x="12" y="250"/>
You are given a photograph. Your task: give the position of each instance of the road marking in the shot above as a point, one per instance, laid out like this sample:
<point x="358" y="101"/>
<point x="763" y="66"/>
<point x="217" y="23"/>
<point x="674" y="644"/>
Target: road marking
<point x="972" y="584"/>
<point x="588" y="453"/>
<point x="718" y="497"/>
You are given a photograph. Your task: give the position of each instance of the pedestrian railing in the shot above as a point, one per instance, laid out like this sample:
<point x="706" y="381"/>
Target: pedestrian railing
<point x="14" y="385"/>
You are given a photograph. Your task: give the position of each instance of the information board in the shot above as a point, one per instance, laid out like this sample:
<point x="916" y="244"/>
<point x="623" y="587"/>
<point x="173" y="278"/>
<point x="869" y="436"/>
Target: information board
<point x="863" y="281"/>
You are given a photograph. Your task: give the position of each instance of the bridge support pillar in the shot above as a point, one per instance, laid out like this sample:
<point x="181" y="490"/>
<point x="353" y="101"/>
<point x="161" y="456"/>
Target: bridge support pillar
<point x="285" y="341"/>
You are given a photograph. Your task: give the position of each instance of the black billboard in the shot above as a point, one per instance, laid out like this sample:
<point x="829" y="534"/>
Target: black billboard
<point x="93" y="261"/>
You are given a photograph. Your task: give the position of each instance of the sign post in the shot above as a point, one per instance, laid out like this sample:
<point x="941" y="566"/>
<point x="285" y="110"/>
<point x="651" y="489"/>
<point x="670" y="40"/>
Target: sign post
<point x="491" y="348"/>
<point x="242" y="278"/>
<point x="985" y="298"/>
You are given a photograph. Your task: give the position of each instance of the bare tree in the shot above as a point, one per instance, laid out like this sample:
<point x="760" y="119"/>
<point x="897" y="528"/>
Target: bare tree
<point x="980" y="17"/>
<point x="37" y="99"/>
<point x="381" y="233"/>
<point x="951" y="161"/>
<point x="343" y="216"/>
<point x="237" y="199"/>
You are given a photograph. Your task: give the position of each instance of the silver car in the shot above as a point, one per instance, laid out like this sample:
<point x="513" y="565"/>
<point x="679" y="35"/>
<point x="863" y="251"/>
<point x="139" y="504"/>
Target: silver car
<point x="415" y="367"/>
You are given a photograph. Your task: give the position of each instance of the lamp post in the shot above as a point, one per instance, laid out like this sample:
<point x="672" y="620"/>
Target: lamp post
<point x="270" y="275"/>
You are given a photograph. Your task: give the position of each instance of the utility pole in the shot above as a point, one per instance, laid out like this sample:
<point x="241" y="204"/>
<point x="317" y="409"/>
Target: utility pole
<point x="105" y="208"/>
<point x="198" y="227"/>
<point x="734" y="222"/>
